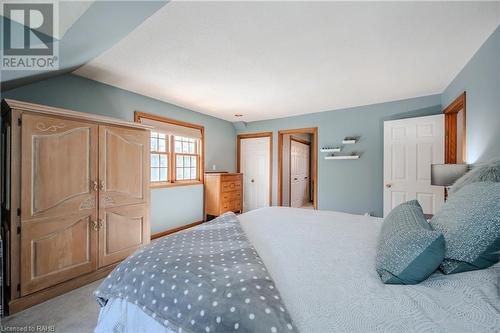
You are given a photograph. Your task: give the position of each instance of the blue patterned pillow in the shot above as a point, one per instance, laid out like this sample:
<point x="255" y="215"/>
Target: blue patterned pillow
<point x="408" y="249"/>
<point x="470" y="223"/>
<point x="484" y="172"/>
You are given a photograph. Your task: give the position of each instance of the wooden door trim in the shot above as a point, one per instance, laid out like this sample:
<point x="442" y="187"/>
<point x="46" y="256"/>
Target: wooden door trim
<point x="314" y="172"/>
<point x="299" y="140"/>
<point x="307" y="143"/>
<point x="238" y="156"/>
<point x="450" y="114"/>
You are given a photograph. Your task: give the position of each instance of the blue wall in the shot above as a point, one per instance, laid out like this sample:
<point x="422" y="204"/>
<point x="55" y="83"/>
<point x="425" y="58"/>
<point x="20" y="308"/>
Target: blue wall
<point x="353" y="186"/>
<point x="480" y="79"/>
<point x="170" y="207"/>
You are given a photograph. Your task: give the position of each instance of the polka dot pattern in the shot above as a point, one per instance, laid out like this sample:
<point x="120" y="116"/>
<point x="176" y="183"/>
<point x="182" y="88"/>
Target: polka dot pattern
<point x="205" y="279"/>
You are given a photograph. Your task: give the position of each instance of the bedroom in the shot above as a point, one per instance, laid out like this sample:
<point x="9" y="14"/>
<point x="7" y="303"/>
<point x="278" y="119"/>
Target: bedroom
<point x="160" y="116"/>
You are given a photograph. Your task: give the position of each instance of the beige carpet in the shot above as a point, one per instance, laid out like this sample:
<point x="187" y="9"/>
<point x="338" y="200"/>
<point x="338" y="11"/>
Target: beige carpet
<point x="74" y="312"/>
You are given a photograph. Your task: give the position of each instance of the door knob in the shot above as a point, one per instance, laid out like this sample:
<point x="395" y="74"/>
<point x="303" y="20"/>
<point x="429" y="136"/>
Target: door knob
<point x="251" y="180"/>
<point x="295" y="179"/>
<point x="388" y="185"/>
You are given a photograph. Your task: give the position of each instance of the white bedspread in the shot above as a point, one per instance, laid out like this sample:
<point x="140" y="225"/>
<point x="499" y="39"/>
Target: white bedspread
<point x="323" y="264"/>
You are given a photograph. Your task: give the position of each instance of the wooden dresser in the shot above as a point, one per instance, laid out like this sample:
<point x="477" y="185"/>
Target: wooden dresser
<point x="223" y="193"/>
<point x="76" y="198"/>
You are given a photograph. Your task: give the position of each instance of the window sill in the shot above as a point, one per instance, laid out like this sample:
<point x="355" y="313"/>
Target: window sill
<point x="176" y="184"/>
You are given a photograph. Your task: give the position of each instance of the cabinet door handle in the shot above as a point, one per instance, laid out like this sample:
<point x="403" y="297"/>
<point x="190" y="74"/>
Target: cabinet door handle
<point x="96" y="225"/>
<point x="101" y="187"/>
<point x="93" y="186"/>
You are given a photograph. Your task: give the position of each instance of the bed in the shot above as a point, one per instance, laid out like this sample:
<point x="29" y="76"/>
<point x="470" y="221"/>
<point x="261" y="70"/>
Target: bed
<point x="323" y="265"/>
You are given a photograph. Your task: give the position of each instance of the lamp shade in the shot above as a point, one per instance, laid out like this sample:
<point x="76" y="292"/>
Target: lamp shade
<point x="447" y="174"/>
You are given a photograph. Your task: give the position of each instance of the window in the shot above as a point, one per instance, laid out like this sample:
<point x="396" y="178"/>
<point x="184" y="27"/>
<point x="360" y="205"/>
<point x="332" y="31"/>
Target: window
<point x="159" y="157"/>
<point x="176" y="151"/>
<point x="186" y="158"/>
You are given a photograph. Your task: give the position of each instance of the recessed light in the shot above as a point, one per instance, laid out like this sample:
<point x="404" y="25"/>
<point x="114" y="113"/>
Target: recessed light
<point x="238" y="115"/>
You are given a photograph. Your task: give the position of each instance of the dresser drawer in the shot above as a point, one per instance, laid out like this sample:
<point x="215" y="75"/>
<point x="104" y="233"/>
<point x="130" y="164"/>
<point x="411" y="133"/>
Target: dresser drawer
<point x="231" y="178"/>
<point x="223" y="193"/>
<point x="231" y="196"/>
<point x="234" y="205"/>
<point x="231" y="186"/>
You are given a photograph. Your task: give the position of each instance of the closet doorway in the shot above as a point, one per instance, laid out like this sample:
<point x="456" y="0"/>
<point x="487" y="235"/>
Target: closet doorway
<point x="300" y="180"/>
<point x="297" y="167"/>
<point x="254" y="160"/>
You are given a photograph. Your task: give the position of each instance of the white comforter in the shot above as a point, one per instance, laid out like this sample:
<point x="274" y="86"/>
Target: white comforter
<point x="323" y="264"/>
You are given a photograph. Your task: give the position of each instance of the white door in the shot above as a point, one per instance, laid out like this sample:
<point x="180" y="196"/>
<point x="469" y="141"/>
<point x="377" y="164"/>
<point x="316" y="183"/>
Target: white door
<point x="299" y="174"/>
<point x="410" y="147"/>
<point x="254" y="165"/>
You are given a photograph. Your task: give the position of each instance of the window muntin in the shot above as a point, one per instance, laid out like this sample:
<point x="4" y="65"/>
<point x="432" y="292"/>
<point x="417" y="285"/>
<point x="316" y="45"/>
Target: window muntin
<point x="159" y="157"/>
<point x="177" y="156"/>
<point x="186" y="158"/>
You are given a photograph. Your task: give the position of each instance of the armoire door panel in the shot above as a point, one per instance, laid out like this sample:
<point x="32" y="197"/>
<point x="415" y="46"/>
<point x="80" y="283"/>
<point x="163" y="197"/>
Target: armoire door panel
<point x="59" y="166"/>
<point x="56" y="250"/>
<point x="123" y="230"/>
<point x="124" y="166"/>
<point x="76" y="194"/>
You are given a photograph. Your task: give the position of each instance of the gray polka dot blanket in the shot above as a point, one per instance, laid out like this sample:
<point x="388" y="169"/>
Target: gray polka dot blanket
<point x="205" y="279"/>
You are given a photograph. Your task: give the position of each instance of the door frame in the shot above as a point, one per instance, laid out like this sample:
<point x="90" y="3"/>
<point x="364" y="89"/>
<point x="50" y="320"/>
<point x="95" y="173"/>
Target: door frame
<point x="238" y="156"/>
<point x="304" y="142"/>
<point x="450" y="129"/>
<point x="314" y="171"/>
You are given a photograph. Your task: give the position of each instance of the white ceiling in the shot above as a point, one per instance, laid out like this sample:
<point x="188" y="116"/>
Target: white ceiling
<point x="274" y="59"/>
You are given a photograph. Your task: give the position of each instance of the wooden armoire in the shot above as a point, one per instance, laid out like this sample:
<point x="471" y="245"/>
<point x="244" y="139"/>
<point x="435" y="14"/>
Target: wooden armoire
<point x="75" y="198"/>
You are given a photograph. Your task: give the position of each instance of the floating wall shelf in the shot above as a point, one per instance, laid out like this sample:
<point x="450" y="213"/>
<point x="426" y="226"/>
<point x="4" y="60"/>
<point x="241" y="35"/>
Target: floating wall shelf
<point x="330" y="150"/>
<point x="342" y="157"/>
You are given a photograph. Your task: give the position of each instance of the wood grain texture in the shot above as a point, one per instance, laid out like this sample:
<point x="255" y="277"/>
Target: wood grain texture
<point x="59" y="164"/>
<point x="75" y="115"/>
<point x="223" y="193"/>
<point x="124" y="192"/>
<point x="451" y="129"/>
<point x="123" y="230"/>
<point x="75" y="168"/>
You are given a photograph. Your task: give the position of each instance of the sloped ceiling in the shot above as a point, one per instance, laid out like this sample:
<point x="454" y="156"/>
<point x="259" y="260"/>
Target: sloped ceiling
<point x="273" y="59"/>
<point x="86" y="29"/>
